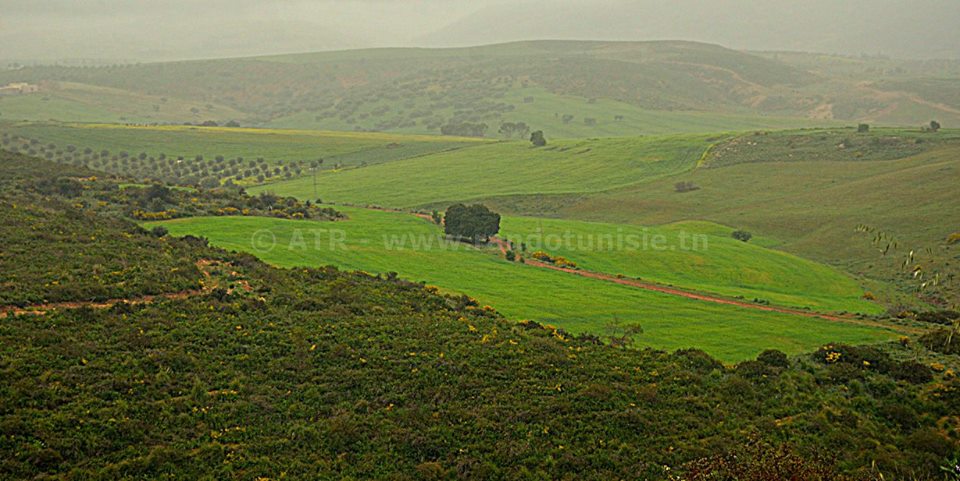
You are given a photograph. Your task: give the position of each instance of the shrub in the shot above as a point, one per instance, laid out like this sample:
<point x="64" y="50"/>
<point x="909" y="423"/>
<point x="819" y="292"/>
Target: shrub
<point x="773" y="358"/>
<point x="697" y="360"/>
<point x="741" y="235"/>
<point x="942" y="341"/>
<point x="682" y="187"/>
<point x="542" y="256"/>
<point x="912" y="372"/>
<point x="944" y="318"/>
<point x="564" y="262"/>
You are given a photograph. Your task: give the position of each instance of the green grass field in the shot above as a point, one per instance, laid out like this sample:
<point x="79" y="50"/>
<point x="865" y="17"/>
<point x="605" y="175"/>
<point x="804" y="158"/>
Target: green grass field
<point x="384" y="242"/>
<point x="811" y="207"/>
<point x="506" y="168"/>
<point x="693" y="255"/>
<point x="798" y="189"/>
<point x="277" y="148"/>
<point x="349" y="148"/>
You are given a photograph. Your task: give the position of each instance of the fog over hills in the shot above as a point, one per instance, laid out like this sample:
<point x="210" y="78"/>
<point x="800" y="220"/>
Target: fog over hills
<point x="180" y="29"/>
<point x="906" y="29"/>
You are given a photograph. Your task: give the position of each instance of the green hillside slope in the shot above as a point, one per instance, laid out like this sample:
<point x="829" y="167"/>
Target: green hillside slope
<point x="694" y="256"/>
<point x="383" y="242"/>
<point x="692" y="87"/>
<point x="506" y="168"/>
<point x="192" y="154"/>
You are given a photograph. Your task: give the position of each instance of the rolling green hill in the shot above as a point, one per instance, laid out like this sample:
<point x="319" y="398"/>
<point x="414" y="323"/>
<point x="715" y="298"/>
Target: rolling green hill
<point x="810" y="201"/>
<point x="191" y="154"/>
<point x="693" y="255"/>
<point x="806" y="190"/>
<point x="562" y="116"/>
<point x="317" y="373"/>
<point x="383" y="242"/>
<point x="240" y="370"/>
<point x="657" y="87"/>
<point x="506" y="168"/>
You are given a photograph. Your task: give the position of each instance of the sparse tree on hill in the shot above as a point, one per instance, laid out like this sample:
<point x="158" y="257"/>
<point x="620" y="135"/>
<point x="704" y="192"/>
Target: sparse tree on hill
<point x="741" y="235"/>
<point x="537" y="139"/>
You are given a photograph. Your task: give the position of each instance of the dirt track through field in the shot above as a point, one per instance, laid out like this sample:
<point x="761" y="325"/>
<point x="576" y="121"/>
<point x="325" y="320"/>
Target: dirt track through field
<point x="504" y="246"/>
<point x="648" y="286"/>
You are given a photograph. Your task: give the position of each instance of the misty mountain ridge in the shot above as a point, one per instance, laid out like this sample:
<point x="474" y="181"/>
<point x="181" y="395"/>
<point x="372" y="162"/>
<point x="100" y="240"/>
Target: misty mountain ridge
<point x="178" y="29"/>
<point x="422" y="90"/>
<point x="886" y="27"/>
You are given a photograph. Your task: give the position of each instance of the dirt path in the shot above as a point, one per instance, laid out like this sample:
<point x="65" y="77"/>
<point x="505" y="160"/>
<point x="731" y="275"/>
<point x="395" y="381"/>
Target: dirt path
<point x="648" y="286"/>
<point x="41" y="309"/>
<point x="502" y="244"/>
<point x="205" y="265"/>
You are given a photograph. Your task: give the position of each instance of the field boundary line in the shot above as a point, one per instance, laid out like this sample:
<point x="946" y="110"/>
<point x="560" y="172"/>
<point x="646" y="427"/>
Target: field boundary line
<point x="674" y="291"/>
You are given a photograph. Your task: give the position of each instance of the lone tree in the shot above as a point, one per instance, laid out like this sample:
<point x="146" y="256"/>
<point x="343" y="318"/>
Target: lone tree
<point x="934" y="126"/>
<point x="473" y="223"/>
<point x="537" y="139"/>
<point x="741" y="235"/>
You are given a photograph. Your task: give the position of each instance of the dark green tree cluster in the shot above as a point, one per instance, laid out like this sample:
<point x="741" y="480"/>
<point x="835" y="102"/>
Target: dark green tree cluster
<point x="537" y="139"/>
<point x="741" y="235"/>
<point x="473" y="223"/>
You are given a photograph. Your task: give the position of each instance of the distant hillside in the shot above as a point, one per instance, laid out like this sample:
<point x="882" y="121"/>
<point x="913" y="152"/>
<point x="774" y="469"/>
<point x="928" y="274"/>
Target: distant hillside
<point x="895" y="28"/>
<point x="573" y="88"/>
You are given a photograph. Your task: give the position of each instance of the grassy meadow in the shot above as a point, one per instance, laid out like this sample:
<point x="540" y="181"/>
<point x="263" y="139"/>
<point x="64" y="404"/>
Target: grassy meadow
<point x="810" y="208"/>
<point x="802" y="191"/>
<point x="504" y="169"/>
<point x="382" y="242"/>
<point x="694" y="255"/>
<point x="222" y="148"/>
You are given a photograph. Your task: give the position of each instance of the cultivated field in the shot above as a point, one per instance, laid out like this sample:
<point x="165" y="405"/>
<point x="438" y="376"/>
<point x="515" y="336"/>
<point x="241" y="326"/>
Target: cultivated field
<point x="505" y="169"/>
<point x="693" y="255"/>
<point x="383" y="242"/>
<point x="188" y="154"/>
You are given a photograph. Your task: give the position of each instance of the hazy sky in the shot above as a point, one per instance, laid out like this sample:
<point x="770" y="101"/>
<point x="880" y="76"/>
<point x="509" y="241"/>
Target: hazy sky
<point x="170" y="29"/>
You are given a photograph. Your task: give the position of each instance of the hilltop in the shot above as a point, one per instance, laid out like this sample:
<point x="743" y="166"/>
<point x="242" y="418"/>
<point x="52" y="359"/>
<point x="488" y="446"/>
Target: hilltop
<point x="569" y="88"/>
